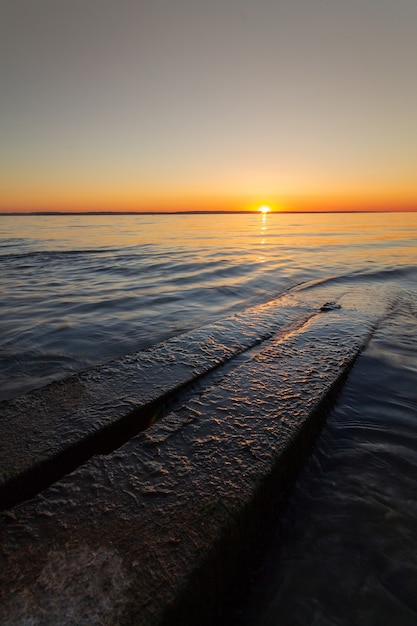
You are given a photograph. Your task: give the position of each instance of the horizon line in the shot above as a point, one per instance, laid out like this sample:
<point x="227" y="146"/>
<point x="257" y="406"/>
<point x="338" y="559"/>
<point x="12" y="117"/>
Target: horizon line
<point x="206" y="212"/>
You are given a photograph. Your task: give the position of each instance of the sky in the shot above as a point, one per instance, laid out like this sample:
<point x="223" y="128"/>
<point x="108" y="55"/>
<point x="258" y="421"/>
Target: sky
<point x="149" y="105"/>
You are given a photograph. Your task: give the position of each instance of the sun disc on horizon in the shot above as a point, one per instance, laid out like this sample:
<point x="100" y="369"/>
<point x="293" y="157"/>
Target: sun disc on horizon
<point x="264" y="209"/>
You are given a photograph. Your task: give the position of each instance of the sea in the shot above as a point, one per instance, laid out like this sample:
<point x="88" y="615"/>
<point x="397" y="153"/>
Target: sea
<point x="80" y="290"/>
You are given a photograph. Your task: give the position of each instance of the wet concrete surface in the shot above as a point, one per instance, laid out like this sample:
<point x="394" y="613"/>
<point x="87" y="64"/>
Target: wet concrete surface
<point x="53" y="430"/>
<point x="158" y="530"/>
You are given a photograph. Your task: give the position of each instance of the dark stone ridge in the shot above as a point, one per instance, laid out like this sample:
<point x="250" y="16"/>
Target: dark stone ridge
<point x="330" y="306"/>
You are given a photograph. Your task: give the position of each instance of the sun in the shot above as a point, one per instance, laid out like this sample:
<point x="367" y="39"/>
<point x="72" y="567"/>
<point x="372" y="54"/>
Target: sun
<point x="264" y="209"/>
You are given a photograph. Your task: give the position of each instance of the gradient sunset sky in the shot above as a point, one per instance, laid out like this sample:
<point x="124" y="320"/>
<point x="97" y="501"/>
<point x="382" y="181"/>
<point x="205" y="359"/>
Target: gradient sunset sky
<point x="208" y="104"/>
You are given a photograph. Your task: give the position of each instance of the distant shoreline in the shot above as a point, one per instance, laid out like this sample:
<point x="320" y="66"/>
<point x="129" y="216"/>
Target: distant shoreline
<point x="43" y="213"/>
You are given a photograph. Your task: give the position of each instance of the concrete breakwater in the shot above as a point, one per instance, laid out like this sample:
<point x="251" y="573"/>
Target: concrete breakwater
<point x="108" y="521"/>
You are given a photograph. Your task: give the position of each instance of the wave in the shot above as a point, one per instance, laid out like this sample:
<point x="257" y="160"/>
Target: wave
<point x="56" y="254"/>
<point x="363" y="275"/>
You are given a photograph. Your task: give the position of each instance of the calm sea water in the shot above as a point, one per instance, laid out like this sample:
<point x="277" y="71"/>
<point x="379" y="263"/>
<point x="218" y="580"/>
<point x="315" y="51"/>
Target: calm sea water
<point x="81" y="290"/>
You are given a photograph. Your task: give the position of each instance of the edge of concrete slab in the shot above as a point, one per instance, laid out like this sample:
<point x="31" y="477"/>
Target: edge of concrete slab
<point x="237" y="551"/>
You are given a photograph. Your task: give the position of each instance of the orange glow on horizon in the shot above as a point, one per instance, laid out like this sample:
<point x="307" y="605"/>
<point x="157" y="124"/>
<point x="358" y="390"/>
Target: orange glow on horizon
<point x="79" y="200"/>
<point x="236" y="190"/>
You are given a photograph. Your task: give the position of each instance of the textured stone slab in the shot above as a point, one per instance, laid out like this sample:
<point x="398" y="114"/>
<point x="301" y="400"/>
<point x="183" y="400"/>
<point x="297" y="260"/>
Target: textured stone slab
<point x="157" y="531"/>
<point x="51" y="431"/>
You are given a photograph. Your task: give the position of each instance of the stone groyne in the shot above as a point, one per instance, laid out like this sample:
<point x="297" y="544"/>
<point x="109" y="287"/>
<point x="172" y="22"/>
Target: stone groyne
<point x="138" y="492"/>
